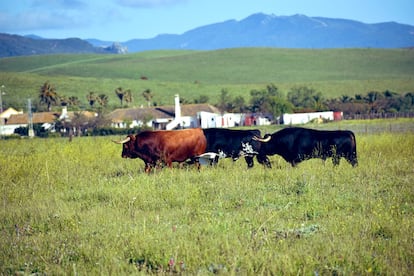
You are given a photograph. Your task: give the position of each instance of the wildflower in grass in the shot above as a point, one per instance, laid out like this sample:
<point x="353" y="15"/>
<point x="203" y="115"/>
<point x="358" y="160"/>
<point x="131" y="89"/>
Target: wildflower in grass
<point x="182" y="265"/>
<point x="171" y="263"/>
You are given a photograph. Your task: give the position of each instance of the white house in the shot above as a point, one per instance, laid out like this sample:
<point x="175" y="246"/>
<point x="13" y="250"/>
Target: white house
<point x="179" y="116"/>
<point x="4" y="117"/>
<point x="162" y="117"/>
<point x="304" y="118"/>
<point x="209" y="120"/>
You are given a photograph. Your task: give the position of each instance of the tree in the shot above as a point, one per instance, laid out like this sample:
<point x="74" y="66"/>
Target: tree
<point x="279" y="106"/>
<point x="240" y="104"/>
<point x="102" y="100"/>
<point x="147" y="94"/>
<point x="128" y="96"/>
<point x="372" y="99"/>
<point x="120" y="93"/>
<point x="270" y="101"/>
<point x="78" y="122"/>
<point x="261" y="100"/>
<point x="91" y="97"/>
<point x="345" y="99"/>
<point x="69" y="101"/>
<point x="408" y="101"/>
<point x="201" y="99"/>
<point x="48" y="95"/>
<point x="306" y="98"/>
<point x="224" y="100"/>
<point x="73" y="101"/>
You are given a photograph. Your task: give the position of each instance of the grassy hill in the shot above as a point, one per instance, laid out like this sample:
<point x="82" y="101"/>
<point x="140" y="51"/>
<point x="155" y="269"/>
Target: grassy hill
<point x="333" y="72"/>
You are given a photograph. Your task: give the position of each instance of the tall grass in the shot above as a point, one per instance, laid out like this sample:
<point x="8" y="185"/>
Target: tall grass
<point x="78" y="207"/>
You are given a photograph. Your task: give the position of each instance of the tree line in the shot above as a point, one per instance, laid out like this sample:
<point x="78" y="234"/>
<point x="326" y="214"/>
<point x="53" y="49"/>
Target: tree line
<point x="269" y="100"/>
<point x="49" y="97"/>
<point x="304" y="99"/>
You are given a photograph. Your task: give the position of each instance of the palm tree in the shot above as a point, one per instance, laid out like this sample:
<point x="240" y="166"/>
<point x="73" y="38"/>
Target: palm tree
<point x="91" y="98"/>
<point x="120" y="93"/>
<point x="147" y="96"/>
<point x="128" y="96"/>
<point x="73" y="101"/>
<point x="102" y="99"/>
<point x="48" y="95"/>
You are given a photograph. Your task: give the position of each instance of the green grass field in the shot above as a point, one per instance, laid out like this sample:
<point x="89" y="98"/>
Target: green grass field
<point x="333" y="72"/>
<point x="79" y="208"/>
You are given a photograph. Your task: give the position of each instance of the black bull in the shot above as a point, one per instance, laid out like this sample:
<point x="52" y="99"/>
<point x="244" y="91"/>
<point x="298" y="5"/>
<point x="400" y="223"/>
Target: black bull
<point x="234" y="144"/>
<point x="298" y="144"/>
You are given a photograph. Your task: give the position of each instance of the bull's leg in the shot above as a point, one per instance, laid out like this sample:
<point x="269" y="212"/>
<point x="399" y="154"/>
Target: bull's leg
<point x="296" y="161"/>
<point x="264" y="160"/>
<point x="249" y="161"/>
<point x="353" y="160"/>
<point x="147" y="167"/>
<point x="335" y="159"/>
<point x="169" y="164"/>
<point x="197" y="164"/>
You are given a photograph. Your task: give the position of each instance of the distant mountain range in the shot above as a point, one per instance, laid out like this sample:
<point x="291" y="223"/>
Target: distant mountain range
<point x="257" y="30"/>
<point x="15" y="45"/>
<point x="297" y="31"/>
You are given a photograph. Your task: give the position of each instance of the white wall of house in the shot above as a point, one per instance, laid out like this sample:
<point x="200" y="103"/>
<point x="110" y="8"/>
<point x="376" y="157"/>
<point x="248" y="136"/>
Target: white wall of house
<point x="229" y="120"/>
<point x="203" y="119"/>
<point x="264" y="121"/>
<point x="9" y="129"/>
<point x="303" y="118"/>
<point x="209" y="120"/>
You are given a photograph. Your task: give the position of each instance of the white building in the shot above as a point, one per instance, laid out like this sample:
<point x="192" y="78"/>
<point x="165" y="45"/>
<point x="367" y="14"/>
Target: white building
<point x="179" y="116"/>
<point x="4" y="117"/>
<point x="209" y="120"/>
<point x="304" y="118"/>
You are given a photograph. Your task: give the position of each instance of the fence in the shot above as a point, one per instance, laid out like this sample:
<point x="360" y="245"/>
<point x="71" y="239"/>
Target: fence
<point x="378" y="116"/>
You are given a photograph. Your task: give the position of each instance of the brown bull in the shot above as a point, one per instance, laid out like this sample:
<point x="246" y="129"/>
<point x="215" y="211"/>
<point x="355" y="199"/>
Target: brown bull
<point x="164" y="146"/>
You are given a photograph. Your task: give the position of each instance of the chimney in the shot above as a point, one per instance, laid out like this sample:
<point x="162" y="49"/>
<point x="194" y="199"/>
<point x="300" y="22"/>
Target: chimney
<point x="177" y="108"/>
<point x="64" y="114"/>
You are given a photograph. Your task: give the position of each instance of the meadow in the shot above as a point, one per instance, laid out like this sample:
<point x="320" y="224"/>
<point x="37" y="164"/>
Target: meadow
<point x="333" y="72"/>
<point x="79" y="208"/>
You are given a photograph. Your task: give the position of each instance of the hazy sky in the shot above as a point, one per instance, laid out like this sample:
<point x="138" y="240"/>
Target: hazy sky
<point x="121" y="20"/>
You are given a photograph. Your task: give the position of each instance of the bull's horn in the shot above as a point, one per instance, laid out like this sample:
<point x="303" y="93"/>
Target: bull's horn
<point x="264" y="140"/>
<point x="126" y="140"/>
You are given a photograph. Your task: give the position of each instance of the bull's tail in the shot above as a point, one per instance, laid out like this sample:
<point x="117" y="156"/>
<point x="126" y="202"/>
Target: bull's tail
<point x="353" y="158"/>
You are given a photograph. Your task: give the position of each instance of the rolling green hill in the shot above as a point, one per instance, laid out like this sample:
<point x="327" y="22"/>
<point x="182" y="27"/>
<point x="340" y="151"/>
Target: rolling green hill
<point x="333" y="72"/>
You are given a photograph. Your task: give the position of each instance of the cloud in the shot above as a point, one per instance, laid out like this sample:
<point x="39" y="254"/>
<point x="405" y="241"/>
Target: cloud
<point x="40" y="15"/>
<point x="37" y="20"/>
<point x="149" y="3"/>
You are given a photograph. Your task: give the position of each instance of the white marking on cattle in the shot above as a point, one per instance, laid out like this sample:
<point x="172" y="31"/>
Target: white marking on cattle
<point x="209" y="158"/>
<point x="247" y="149"/>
